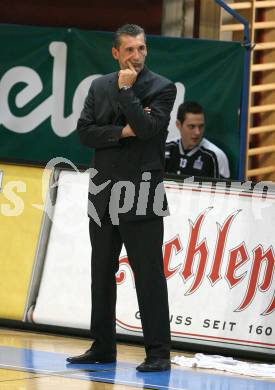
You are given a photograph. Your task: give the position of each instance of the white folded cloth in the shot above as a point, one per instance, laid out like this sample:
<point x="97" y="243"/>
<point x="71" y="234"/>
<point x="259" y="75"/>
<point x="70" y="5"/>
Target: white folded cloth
<point x="228" y="364"/>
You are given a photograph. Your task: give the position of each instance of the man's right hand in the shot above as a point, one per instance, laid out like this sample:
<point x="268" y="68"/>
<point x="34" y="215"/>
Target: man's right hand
<point x="127" y="77"/>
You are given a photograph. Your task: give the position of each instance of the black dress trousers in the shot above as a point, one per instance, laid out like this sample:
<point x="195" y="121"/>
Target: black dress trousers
<point x="143" y="242"/>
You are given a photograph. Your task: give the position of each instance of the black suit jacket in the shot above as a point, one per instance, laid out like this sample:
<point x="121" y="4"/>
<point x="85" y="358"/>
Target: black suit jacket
<point x="106" y="111"/>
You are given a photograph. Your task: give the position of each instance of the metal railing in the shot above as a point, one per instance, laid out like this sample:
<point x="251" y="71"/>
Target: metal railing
<point x="245" y="86"/>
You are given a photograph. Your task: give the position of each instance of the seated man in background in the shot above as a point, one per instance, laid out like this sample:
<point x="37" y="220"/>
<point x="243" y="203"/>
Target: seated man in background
<point x="193" y="154"/>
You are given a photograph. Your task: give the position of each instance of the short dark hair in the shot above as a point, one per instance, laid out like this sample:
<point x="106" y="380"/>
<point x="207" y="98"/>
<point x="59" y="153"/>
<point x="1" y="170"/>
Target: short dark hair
<point x="127" y="29"/>
<point x="188" y="107"/>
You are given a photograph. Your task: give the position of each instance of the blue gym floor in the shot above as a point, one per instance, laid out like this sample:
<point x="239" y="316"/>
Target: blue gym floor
<point x="51" y="363"/>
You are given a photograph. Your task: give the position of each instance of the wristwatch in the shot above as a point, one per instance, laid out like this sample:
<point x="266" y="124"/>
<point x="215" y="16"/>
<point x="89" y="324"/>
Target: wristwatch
<point x="125" y="87"/>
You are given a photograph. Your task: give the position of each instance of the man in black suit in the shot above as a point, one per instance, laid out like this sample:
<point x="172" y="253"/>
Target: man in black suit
<point x="125" y="118"/>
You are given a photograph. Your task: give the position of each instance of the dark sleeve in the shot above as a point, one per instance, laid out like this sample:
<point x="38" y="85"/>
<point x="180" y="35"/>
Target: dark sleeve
<point x="91" y="134"/>
<point x="167" y="158"/>
<point x="143" y="124"/>
<point x="215" y="169"/>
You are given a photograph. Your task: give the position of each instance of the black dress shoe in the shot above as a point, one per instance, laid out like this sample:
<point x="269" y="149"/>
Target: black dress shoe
<point x="92" y="356"/>
<point x="154" y="364"/>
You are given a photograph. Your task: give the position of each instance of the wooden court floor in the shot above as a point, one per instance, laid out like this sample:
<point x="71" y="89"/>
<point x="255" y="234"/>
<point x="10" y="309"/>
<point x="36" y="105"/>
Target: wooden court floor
<point x="14" y="378"/>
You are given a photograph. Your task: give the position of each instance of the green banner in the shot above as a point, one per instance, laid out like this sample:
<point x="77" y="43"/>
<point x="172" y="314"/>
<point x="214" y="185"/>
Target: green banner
<point x="45" y="74"/>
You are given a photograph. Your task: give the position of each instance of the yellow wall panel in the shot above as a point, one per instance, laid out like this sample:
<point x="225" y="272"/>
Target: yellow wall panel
<point x="20" y="223"/>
